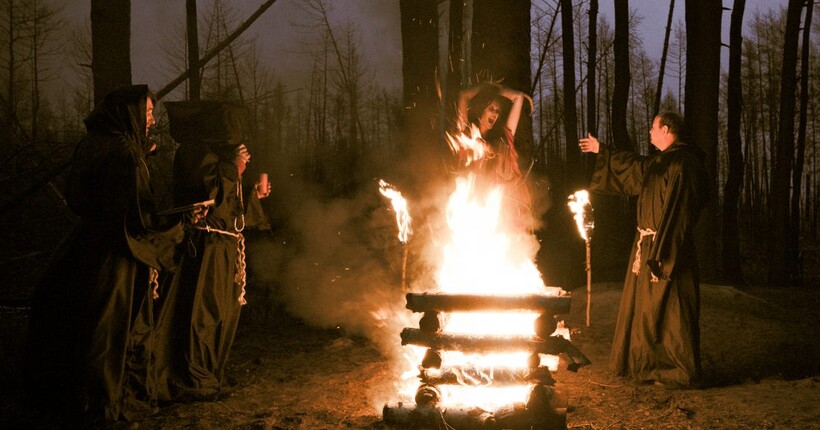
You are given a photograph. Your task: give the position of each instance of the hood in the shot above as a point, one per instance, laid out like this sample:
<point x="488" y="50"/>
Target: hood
<point x="122" y="114"/>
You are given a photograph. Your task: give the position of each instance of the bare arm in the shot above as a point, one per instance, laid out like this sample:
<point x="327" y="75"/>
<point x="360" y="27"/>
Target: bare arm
<point x="517" y="98"/>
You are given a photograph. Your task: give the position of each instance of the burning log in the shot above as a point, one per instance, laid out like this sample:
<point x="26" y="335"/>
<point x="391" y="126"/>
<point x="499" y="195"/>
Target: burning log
<point x="543" y="411"/>
<point x="552" y="305"/>
<point x="552" y="345"/>
<point x="473" y="376"/>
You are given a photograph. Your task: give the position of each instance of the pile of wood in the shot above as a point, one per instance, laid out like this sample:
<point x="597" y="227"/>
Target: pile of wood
<point x="544" y="408"/>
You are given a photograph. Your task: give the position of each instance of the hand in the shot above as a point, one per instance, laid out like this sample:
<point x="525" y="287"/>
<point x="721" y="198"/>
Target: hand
<point x="589" y="144"/>
<point x="243" y="157"/>
<point x="262" y="193"/>
<point x="198" y="214"/>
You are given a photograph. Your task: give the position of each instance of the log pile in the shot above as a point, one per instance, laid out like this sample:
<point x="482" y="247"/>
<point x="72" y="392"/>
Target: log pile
<point x="543" y="410"/>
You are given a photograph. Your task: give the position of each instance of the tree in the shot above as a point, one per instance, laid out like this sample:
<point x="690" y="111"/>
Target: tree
<point x="781" y="255"/>
<point x="194" y="79"/>
<point x="574" y="167"/>
<point x="620" y="97"/>
<point x="657" y="106"/>
<point x="592" y="112"/>
<point x="797" y="176"/>
<point x="703" y="19"/>
<point x="734" y="180"/>
<point x="110" y="45"/>
<point x="419" y="33"/>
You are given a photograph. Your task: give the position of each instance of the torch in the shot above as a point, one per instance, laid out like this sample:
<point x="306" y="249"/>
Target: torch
<point x="582" y="213"/>
<point x="402" y="219"/>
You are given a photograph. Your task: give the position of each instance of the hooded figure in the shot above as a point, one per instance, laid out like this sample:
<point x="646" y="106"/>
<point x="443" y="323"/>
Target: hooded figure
<point x="201" y="303"/>
<point x="92" y="315"/>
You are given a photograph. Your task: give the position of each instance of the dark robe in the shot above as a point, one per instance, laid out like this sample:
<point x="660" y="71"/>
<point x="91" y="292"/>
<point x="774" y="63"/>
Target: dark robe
<point x="201" y="303"/>
<point x="657" y="334"/>
<point x="92" y="315"/>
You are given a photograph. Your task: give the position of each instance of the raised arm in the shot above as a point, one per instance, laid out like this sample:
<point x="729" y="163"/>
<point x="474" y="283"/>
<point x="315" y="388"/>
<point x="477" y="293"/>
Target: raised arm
<point x="517" y="98"/>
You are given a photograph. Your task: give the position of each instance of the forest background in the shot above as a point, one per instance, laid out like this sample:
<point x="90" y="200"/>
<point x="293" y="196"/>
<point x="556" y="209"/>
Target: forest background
<point x="367" y="102"/>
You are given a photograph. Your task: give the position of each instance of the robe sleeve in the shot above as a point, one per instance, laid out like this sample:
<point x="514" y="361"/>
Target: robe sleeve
<point x="618" y="172"/>
<point x="679" y="215"/>
<point x="148" y="240"/>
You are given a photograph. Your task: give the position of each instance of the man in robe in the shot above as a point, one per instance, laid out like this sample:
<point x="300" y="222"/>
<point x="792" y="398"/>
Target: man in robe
<point x="657" y="334"/>
<point x="201" y="305"/>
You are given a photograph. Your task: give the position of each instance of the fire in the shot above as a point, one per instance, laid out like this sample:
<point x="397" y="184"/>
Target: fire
<point x="581" y="209"/>
<point x="470" y="147"/>
<point x="400" y="207"/>
<point x="483" y="255"/>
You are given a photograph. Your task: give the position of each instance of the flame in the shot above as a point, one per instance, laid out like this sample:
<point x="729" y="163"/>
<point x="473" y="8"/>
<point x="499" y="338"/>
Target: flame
<point x="469" y="147"/>
<point x="400" y="207"/>
<point x="483" y="255"/>
<point x="581" y="209"/>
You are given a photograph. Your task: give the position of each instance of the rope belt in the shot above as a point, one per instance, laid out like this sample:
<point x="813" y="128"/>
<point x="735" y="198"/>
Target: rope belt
<point x="153" y="281"/>
<point x="636" y="265"/>
<point x="241" y="277"/>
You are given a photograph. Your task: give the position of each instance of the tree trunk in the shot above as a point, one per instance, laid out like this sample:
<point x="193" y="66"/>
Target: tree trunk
<point x="620" y="96"/>
<point x="419" y="34"/>
<point x="782" y="261"/>
<point x="194" y="78"/>
<point x="702" y="88"/>
<point x="110" y="45"/>
<point x="501" y="50"/>
<point x="592" y="114"/>
<point x="217" y="49"/>
<point x="734" y="180"/>
<point x="575" y="178"/>
<point x="659" y="92"/>
<point x="797" y="176"/>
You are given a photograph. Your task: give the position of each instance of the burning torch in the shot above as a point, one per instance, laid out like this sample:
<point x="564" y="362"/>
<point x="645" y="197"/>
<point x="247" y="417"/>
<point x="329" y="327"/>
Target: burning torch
<point x="402" y="219"/>
<point x="582" y="212"/>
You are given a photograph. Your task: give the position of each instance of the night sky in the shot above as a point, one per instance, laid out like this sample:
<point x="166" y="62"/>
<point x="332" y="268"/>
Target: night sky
<point x="283" y="42"/>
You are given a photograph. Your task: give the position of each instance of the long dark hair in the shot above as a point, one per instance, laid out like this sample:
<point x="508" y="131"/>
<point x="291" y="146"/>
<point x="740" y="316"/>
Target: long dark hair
<point x="122" y="114"/>
<point x="486" y="96"/>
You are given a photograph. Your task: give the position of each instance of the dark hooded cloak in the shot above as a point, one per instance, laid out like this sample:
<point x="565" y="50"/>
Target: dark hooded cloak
<point x="657" y="334"/>
<point x="201" y="303"/>
<point x="88" y="344"/>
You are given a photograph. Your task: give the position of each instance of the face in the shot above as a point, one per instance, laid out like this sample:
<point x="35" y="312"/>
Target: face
<point x="657" y="134"/>
<point x="149" y="115"/>
<point x="488" y="117"/>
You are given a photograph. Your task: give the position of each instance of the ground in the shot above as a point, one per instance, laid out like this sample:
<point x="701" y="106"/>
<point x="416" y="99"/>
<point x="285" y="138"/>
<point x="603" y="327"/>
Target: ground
<point x="760" y="357"/>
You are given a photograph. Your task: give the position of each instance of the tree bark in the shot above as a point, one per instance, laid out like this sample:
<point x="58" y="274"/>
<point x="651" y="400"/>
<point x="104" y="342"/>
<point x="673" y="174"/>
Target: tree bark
<point x="734" y="179"/>
<point x="620" y="96"/>
<point x="702" y="88"/>
<point x="419" y="35"/>
<point x="592" y="64"/>
<point x="800" y="153"/>
<point x="194" y="78"/>
<point x="501" y="50"/>
<point x="781" y="257"/>
<point x="574" y="168"/>
<point x="110" y="45"/>
<point x="659" y="92"/>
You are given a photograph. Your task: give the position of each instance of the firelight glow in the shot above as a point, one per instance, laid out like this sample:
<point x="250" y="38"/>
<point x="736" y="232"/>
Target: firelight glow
<point x="580" y="206"/>
<point x="472" y="147"/>
<point x="483" y="256"/>
<point x="400" y="207"/>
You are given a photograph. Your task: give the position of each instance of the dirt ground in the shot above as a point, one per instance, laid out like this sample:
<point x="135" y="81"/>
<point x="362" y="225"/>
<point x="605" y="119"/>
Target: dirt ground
<point x="760" y="353"/>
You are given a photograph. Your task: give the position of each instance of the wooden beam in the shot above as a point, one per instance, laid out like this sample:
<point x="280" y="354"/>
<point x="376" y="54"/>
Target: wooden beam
<point x="552" y="305"/>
